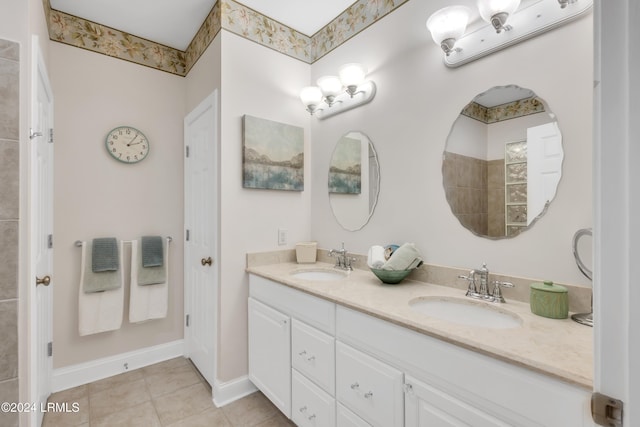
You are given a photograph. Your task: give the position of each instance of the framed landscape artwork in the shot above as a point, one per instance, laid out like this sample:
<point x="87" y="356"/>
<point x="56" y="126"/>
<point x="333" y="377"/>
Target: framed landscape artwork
<point x="345" y="174"/>
<point x="273" y="155"/>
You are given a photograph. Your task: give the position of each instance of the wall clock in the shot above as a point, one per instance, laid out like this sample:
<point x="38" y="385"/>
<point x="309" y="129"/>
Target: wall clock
<point x="127" y="144"/>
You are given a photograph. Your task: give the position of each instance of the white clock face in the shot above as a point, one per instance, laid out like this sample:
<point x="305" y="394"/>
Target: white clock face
<point x="127" y="144"/>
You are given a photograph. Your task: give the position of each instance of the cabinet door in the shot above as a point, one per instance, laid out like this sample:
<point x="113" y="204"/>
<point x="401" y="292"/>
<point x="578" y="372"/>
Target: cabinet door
<point x="270" y="354"/>
<point x="426" y="406"/>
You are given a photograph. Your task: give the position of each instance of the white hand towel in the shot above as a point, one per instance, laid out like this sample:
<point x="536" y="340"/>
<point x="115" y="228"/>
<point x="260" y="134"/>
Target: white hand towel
<point x="406" y="257"/>
<point x="375" y="258"/>
<point x="99" y="311"/>
<point x="150" y="301"/>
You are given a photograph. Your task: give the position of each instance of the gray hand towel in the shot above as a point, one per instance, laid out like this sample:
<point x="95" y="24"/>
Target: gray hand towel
<point x="152" y="254"/>
<point x="98" y="282"/>
<point x="150" y="275"/>
<point x="104" y="255"/>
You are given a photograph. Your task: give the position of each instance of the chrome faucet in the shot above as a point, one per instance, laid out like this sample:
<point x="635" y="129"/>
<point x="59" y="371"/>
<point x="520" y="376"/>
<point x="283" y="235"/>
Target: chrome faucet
<point x="482" y="292"/>
<point x="343" y="260"/>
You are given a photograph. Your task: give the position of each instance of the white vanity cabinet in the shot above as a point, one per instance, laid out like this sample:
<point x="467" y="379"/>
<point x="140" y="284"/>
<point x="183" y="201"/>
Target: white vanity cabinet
<point x="269" y="354"/>
<point x="292" y="351"/>
<point x="449" y="381"/>
<point x="323" y="364"/>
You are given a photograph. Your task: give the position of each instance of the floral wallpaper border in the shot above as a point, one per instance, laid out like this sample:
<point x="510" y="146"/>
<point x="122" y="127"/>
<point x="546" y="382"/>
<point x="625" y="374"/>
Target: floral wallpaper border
<point x="227" y="14"/>
<point x="352" y="21"/>
<point x="512" y="110"/>
<point x="99" y="38"/>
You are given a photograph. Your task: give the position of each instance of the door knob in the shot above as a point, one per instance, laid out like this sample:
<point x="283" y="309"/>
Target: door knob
<point x="44" y="281"/>
<point x="206" y="261"/>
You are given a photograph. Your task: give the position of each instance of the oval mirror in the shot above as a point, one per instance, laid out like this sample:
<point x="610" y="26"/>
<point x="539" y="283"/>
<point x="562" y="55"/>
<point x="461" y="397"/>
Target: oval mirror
<point x="354" y="180"/>
<point x="502" y="162"/>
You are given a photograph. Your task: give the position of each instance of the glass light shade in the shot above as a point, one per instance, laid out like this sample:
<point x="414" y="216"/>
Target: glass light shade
<point x="311" y="95"/>
<point x="331" y="86"/>
<point x="489" y="8"/>
<point x="448" y="23"/>
<point x="352" y="74"/>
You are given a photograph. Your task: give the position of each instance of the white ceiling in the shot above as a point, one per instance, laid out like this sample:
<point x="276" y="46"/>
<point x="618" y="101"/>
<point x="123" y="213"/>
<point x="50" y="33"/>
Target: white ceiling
<point x="503" y="95"/>
<point x="174" y="22"/>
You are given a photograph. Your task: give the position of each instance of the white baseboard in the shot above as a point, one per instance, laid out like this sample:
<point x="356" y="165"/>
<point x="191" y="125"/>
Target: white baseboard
<point x="84" y="373"/>
<point x="227" y="392"/>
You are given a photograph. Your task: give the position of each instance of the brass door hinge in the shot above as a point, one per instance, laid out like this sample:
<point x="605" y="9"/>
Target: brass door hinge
<point x="606" y="411"/>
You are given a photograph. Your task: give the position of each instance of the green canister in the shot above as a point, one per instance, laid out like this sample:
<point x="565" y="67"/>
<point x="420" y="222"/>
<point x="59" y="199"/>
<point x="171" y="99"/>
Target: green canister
<point x="549" y="300"/>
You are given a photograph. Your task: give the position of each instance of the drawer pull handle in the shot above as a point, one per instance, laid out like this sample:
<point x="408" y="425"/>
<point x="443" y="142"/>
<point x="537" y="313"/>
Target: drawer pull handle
<point x="312" y="417"/>
<point x="354" y="386"/>
<point x="368" y="395"/>
<point x="311" y="359"/>
<point x="303" y="409"/>
<point x="302" y="353"/>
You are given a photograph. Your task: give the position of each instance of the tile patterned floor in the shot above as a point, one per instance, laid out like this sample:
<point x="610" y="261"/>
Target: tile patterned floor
<point x="168" y="394"/>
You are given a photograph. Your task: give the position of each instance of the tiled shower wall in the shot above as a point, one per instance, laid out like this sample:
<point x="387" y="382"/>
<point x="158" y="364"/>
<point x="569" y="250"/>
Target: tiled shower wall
<point x="475" y="192"/>
<point x="9" y="220"/>
<point x="495" y="204"/>
<point x="465" y="181"/>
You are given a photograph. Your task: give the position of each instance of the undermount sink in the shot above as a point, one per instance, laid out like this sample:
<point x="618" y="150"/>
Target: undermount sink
<point x="466" y="312"/>
<point x="322" y="275"/>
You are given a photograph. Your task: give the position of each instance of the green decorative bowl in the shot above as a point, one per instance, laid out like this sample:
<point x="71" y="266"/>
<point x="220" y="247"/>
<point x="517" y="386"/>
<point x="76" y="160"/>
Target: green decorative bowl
<point x="391" y="277"/>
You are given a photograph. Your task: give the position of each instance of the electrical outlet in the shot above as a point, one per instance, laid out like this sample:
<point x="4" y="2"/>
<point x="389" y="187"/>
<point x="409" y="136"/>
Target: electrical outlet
<point x="282" y="236"/>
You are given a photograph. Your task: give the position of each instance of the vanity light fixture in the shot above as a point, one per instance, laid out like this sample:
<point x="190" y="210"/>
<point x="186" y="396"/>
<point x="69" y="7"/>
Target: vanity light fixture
<point x="333" y="94"/>
<point x="447" y="25"/>
<point x="496" y="12"/>
<point x="564" y="3"/>
<point x="509" y="25"/>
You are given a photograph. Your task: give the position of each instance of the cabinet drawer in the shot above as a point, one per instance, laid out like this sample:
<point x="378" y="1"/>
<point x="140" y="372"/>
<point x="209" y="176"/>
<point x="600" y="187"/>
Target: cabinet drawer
<point x="311" y="406"/>
<point x="313" y="354"/>
<point x="346" y="418"/>
<point x="312" y="310"/>
<point x="370" y="388"/>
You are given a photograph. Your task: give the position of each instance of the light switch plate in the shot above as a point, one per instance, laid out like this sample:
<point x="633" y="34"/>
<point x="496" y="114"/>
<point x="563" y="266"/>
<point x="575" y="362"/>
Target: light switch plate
<point x="282" y="236"/>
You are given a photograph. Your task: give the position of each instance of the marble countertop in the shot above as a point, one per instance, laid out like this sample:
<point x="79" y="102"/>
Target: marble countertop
<point x="562" y="349"/>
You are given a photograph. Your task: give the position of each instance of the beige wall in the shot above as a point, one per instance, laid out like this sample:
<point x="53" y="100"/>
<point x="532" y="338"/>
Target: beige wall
<point x="205" y="76"/>
<point x="417" y="101"/>
<point x="408" y="121"/>
<point x="97" y="196"/>
<point x="262" y="83"/>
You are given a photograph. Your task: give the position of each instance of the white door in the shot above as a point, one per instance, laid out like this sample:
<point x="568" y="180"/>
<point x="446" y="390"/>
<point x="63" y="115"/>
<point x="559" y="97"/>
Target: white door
<point x="201" y="225"/>
<point x="544" y="166"/>
<point x="616" y="226"/>
<point x="41" y="230"/>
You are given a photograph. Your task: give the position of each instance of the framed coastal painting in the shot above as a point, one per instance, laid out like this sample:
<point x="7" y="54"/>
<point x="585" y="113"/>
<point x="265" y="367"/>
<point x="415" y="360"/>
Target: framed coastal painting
<point x="273" y="156"/>
<point x="345" y="174"/>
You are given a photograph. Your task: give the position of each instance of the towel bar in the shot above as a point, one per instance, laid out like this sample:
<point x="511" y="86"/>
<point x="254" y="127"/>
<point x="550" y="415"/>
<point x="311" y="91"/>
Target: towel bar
<point x="79" y="242"/>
